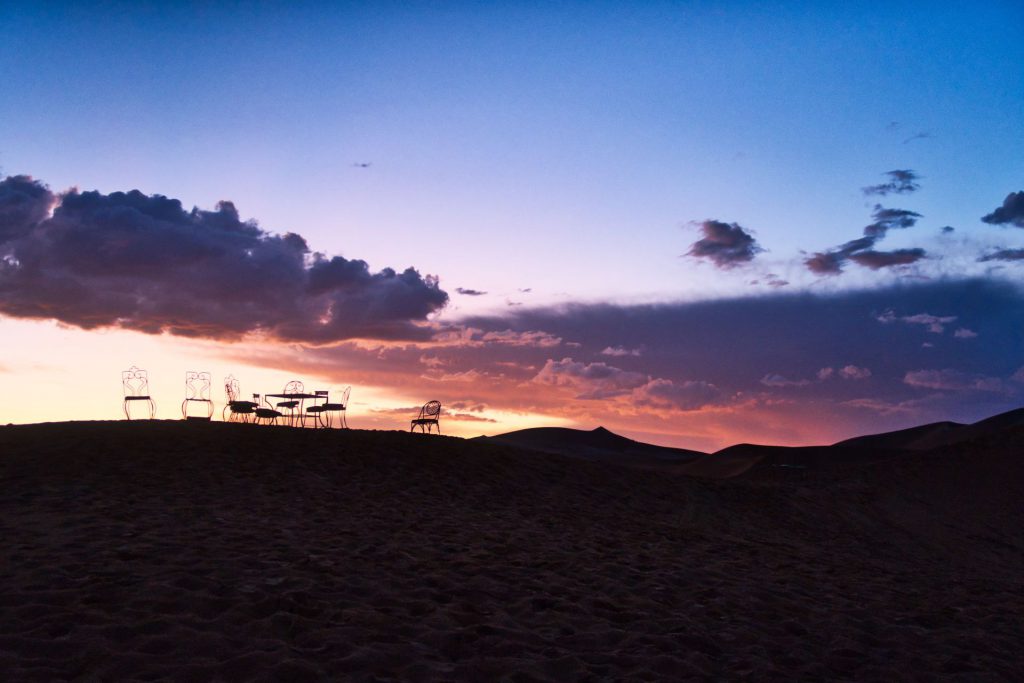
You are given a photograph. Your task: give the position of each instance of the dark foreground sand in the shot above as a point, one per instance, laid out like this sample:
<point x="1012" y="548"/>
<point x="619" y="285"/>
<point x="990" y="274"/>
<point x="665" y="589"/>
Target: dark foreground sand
<point x="231" y="552"/>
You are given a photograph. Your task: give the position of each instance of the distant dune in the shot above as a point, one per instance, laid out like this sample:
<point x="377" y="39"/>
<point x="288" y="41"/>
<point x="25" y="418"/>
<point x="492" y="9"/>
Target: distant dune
<point x="598" y="444"/>
<point x="229" y="552"/>
<point x="938" y="434"/>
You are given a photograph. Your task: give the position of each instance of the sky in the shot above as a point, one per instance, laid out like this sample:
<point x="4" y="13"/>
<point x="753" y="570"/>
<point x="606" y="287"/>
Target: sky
<point x="695" y="223"/>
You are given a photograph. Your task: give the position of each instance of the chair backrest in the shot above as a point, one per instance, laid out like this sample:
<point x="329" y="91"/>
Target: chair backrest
<point x="430" y="410"/>
<point x="294" y="387"/>
<point x="135" y="382"/>
<point x="197" y="386"/>
<point x="232" y="389"/>
<point x="343" y="399"/>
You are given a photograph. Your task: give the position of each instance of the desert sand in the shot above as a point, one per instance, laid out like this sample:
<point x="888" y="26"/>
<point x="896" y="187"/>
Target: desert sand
<point x="194" y="552"/>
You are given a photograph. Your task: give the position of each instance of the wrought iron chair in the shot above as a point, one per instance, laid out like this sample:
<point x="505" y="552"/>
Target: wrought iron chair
<point x="236" y="410"/>
<point x="268" y="414"/>
<point x="430" y="414"/>
<point x="316" y="411"/>
<point x="293" y="406"/>
<point x="136" y="388"/>
<point x="339" y="406"/>
<point x="197" y="394"/>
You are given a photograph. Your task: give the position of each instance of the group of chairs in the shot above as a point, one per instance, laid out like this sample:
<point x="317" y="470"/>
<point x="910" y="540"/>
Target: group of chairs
<point x="291" y="408"/>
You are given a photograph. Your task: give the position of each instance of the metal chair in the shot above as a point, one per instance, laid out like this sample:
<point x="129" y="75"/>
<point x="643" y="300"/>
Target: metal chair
<point x="316" y="411"/>
<point x="236" y="410"/>
<point x="268" y="414"/>
<point x="430" y="414"/>
<point x="197" y="394"/>
<point x="136" y="388"/>
<point x="293" y="406"/>
<point x="340" y="407"/>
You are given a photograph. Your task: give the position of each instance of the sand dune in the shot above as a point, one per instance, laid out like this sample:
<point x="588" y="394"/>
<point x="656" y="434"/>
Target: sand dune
<point x="597" y="444"/>
<point x="937" y="434"/>
<point x="140" y="551"/>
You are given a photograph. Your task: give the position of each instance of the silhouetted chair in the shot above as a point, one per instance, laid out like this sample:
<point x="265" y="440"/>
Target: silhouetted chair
<point x="197" y="396"/>
<point x="340" y="407"/>
<point x="236" y="409"/>
<point x="268" y="414"/>
<point x="316" y="411"/>
<point x="136" y="388"/>
<point x="293" y="406"/>
<point x="430" y="414"/>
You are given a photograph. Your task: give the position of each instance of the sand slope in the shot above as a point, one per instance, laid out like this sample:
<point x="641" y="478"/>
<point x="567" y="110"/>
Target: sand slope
<point x="230" y="552"/>
<point x="597" y="444"/>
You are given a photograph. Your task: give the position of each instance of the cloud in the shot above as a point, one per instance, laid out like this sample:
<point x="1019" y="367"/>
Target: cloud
<point x="900" y="182"/>
<point x="729" y="344"/>
<point x="965" y="333"/>
<point x="935" y="323"/>
<point x="953" y="380"/>
<point x="24" y="203"/>
<point x="468" y="417"/>
<point x="619" y="351"/>
<point x="469" y="406"/>
<point x="1004" y="255"/>
<point x="946" y="229"/>
<point x="727" y="245"/>
<point x="1010" y="213"/>
<point x="861" y="251"/>
<point x="853" y="372"/>
<point x="918" y="136"/>
<point x="144" y="263"/>
<point x="889" y="219"/>
<point x="526" y="338"/>
<point x="885" y="259"/>
<point x="683" y="396"/>
<point x="774" y="379"/>
<point x="593" y="380"/>
<point x="469" y="292"/>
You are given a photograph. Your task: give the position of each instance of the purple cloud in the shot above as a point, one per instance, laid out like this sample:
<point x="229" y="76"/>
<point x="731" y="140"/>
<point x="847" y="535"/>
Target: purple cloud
<point x="885" y="259"/>
<point x="684" y="395"/>
<point x="593" y="380"/>
<point x="953" y="380"/>
<point x="727" y="245"/>
<point x="861" y="250"/>
<point x="145" y="263"/>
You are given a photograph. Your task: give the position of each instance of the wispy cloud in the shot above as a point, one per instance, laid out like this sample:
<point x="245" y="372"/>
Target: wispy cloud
<point x="861" y="250"/>
<point x="900" y="182"/>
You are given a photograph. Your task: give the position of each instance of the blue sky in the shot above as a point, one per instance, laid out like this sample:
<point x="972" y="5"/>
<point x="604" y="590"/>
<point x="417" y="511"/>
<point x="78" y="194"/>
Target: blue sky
<point x="565" y="150"/>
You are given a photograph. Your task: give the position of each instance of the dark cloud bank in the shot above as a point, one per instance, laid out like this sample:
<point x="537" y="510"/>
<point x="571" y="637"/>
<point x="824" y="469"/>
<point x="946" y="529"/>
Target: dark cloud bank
<point x="145" y="263"/>
<point x="734" y="343"/>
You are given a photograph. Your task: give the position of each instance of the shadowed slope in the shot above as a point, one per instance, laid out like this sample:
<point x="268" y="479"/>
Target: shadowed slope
<point x="937" y="434"/>
<point x="597" y="444"/>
